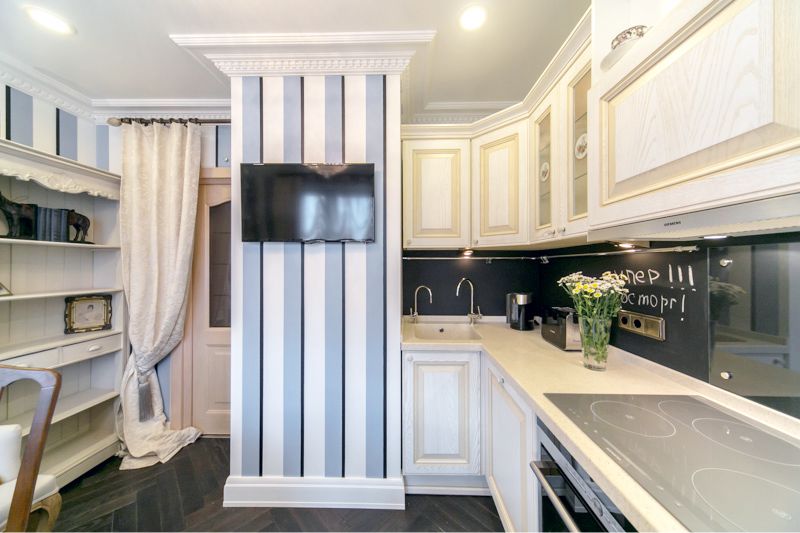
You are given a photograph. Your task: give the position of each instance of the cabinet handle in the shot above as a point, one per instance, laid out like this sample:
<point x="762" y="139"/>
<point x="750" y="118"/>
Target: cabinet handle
<point x="408" y="241"/>
<point x="550" y="233"/>
<point x="502" y="380"/>
<point x="410" y="359"/>
<point x="93" y="348"/>
<point x="562" y="230"/>
<point x="726" y="375"/>
<point x="476" y="241"/>
<point x="553" y="497"/>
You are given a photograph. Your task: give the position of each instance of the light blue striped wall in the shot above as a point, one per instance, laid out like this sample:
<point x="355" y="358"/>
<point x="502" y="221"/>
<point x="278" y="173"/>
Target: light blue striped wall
<point x="313" y="361"/>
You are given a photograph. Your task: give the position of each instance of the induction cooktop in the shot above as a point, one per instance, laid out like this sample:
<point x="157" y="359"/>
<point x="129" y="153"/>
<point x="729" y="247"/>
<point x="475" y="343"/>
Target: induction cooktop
<point x="713" y="470"/>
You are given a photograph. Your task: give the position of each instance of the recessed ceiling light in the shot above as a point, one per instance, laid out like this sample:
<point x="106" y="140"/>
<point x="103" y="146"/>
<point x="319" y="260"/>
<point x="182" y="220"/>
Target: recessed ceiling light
<point x="49" y="20"/>
<point x="473" y="18"/>
<point x="715" y="237"/>
<point x="466" y="252"/>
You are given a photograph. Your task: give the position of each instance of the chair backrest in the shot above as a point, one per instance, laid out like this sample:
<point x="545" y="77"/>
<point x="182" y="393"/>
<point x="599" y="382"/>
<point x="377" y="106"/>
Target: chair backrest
<point x="50" y="383"/>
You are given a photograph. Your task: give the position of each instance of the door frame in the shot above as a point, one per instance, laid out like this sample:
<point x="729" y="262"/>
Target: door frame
<point x="181" y="387"/>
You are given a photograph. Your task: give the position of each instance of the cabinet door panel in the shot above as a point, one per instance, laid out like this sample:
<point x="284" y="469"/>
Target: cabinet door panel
<point x="707" y="101"/>
<point x="499" y="195"/>
<point x="436" y="194"/>
<point x="441" y="413"/>
<point x="509" y="449"/>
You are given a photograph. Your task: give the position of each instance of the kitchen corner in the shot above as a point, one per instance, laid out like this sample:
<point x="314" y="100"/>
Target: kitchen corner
<point x="530" y="368"/>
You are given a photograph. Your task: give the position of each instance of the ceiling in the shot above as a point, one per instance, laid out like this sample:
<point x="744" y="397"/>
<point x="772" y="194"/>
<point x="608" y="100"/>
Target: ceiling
<point x="122" y="49"/>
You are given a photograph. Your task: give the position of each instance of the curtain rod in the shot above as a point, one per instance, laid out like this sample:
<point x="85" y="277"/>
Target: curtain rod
<point x="115" y="121"/>
<point x="546" y="258"/>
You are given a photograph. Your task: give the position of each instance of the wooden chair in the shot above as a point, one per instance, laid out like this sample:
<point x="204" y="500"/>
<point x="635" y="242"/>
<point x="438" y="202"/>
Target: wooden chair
<point x="29" y="491"/>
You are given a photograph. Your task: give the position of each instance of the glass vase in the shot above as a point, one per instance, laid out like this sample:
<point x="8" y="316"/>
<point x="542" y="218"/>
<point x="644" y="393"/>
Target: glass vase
<point x="595" y="333"/>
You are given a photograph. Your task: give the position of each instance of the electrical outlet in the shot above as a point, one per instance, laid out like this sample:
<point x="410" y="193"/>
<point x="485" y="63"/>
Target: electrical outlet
<point x="653" y="327"/>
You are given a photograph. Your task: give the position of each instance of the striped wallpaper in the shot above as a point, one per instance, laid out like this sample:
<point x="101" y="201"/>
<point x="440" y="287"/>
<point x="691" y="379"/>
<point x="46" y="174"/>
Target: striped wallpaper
<point x="313" y="395"/>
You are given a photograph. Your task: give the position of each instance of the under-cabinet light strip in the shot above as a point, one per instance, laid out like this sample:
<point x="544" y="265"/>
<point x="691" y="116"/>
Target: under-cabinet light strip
<point x="546" y="258"/>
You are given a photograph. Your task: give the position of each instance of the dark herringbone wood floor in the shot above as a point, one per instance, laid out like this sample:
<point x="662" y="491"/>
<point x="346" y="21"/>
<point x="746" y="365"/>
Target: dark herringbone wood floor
<point x="186" y="495"/>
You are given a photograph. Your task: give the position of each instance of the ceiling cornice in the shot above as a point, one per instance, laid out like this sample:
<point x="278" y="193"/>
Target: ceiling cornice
<point x="29" y="80"/>
<point x="577" y="41"/>
<point x="281" y="54"/>
<point x="201" y="108"/>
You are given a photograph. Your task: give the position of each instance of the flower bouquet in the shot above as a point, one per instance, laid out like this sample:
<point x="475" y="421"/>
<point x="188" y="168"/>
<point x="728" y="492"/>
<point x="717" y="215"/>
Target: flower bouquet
<point x="596" y="301"/>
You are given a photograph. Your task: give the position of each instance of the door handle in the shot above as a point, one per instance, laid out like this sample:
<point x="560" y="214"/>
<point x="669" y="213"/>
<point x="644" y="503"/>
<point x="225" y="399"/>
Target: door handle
<point x="538" y="467"/>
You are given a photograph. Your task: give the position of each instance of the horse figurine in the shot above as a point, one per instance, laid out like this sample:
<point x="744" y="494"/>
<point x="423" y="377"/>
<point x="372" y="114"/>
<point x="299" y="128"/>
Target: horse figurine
<point x="21" y="218"/>
<point x="80" y="223"/>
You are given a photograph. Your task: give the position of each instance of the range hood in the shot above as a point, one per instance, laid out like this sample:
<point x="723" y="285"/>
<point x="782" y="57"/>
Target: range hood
<point x="779" y="214"/>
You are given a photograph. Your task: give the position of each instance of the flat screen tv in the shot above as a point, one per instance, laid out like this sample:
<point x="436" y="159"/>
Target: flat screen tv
<point x="286" y="202"/>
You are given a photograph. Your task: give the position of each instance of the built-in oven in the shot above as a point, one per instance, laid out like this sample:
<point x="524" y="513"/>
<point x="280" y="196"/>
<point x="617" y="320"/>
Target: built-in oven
<point x="570" y="499"/>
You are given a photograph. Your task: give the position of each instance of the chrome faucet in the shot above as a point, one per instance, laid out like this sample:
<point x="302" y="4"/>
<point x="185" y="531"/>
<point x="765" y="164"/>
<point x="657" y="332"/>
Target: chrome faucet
<point x="472" y="315"/>
<point x="414" y="313"/>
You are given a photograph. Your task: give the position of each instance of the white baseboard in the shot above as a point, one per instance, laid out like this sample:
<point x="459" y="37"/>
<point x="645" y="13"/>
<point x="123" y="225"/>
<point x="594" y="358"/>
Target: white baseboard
<point x="447" y="485"/>
<point x="354" y="493"/>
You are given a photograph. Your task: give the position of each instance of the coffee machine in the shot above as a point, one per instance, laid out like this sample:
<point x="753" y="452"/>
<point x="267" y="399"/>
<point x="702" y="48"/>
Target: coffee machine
<point x="519" y="310"/>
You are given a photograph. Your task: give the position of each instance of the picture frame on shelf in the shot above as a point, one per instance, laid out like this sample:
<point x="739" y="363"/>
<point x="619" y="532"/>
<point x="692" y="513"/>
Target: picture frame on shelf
<point x="4" y="291"/>
<point x="83" y="314"/>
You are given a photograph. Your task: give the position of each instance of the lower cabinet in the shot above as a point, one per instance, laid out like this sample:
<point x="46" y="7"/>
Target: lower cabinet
<point x="441" y="413"/>
<point x="509" y="445"/>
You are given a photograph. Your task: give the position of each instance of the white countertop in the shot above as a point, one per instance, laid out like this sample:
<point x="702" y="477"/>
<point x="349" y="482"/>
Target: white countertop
<point x="537" y="367"/>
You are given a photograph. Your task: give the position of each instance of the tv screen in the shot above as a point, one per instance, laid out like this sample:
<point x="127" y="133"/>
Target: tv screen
<point x="285" y="202"/>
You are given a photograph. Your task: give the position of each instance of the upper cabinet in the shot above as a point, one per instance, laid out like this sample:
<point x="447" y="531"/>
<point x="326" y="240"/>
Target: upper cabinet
<point x="499" y="195"/>
<point x="543" y="182"/>
<point x="576" y="86"/>
<point x="436" y="194"/>
<point x="702" y="112"/>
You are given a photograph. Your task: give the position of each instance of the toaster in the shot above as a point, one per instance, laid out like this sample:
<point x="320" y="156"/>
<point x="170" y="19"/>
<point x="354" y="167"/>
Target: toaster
<point x="561" y="328"/>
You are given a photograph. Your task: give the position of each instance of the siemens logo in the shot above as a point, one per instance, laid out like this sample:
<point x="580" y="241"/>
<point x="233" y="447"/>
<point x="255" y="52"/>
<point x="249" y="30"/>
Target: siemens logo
<point x="672" y="223"/>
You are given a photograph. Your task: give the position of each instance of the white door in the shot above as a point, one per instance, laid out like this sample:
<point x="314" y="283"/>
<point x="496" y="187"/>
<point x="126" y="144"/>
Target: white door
<point x="211" y="311"/>
<point x="441" y="413"/>
<point x="510" y="446"/>
<point x="436" y="194"/>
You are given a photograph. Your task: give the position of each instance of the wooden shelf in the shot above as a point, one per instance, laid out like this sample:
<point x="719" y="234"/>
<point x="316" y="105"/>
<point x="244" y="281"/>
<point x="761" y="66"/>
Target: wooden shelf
<point x="40" y="345"/>
<point x="54" y="244"/>
<point x="94" y="446"/>
<point x="66" y="407"/>
<point x="56" y="294"/>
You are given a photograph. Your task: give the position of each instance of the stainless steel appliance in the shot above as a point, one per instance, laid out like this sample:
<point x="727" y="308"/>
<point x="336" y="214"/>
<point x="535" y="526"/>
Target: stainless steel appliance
<point x="712" y="469"/>
<point x="561" y="328"/>
<point x="571" y="500"/>
<point x="519" y="310"/>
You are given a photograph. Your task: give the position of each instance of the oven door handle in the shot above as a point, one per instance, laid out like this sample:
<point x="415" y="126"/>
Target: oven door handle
<point x="561" y="509"/>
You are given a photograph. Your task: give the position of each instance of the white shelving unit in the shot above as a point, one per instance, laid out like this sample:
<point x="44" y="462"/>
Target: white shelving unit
<point x="40" y="275"/>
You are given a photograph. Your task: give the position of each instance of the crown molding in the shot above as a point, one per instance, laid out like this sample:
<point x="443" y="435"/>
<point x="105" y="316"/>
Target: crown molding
<point x="30" y="81"/>
<point x="575" y="44"/>
<point x="200" y="108"/>
<point x="298" y="54"/>
<point x="237" y="40"/>
<point x="488" y="106"/>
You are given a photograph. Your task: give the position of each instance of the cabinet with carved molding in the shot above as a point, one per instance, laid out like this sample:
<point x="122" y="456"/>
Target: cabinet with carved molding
<point x="672" y="132"/>
<point x="39" y="272"/>
<point x="500" y="186"/>
<point x="436" y="202"/>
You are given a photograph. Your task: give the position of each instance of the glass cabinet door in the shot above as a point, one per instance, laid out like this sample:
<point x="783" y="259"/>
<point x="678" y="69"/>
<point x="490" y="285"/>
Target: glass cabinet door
<point x="543" y="170"/>
<point x="578" y="178"/>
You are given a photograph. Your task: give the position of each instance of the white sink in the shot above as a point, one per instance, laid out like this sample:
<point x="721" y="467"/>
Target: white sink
<point x="447" y="332"/>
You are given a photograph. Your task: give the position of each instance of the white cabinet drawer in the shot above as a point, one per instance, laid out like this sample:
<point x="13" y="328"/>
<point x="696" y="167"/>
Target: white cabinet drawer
<point x="45" y="359"/>
<point x="88" y="349"/>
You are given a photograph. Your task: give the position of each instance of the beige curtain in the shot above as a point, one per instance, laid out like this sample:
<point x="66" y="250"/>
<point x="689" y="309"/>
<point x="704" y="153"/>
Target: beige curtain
<point x="158" y="204"/>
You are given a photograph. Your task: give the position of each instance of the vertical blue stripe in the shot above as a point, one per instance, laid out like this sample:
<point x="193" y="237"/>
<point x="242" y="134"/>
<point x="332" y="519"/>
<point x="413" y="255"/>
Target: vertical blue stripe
<point x="251" y="312"/>
<point x="20" y="117"/>
<point x="67" y="135"/>
<point x="223" y="145"/>
<point x="293" y="301"/>
<point x="334" y="295"/>
<point x="101" y="146"/>
<point x="375" y="286"/>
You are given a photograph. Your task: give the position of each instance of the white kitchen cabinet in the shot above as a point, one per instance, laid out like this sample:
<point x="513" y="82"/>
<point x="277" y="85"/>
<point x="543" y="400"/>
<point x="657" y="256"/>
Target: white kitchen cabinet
<point x="701" y="112"/>
<point x="436" y="183"/>
<point x="510" y="447"/>
<point x="499" y="192"/>
<point x="441" y="413"/>
<point x="558" y="173"/>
